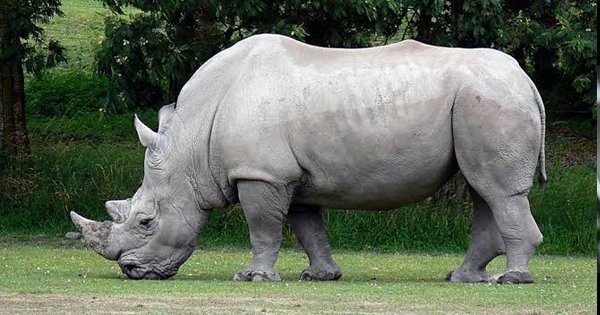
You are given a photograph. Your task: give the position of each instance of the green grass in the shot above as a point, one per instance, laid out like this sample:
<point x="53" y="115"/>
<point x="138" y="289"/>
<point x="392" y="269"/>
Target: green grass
<point x="68" y="94"/>
<point x="68" y="278"/>
<point x="75" y="164"/>
<point x="95" y="127"/>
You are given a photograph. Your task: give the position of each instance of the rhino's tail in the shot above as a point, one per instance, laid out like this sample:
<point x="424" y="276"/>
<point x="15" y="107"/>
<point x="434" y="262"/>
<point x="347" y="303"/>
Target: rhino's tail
<point x="543" y="179"/>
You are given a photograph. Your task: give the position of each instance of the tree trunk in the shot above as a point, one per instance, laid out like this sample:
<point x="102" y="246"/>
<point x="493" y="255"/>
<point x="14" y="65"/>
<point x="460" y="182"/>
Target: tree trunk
<point x="13" y="130"/>
<point x="424" y="27"/>
<point x="457" y="23"/>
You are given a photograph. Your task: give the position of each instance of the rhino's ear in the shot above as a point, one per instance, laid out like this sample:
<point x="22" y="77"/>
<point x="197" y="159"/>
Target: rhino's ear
<point x="118" y="209"/>
<point x="148" y="138"/>
<point x="165" y="115"/>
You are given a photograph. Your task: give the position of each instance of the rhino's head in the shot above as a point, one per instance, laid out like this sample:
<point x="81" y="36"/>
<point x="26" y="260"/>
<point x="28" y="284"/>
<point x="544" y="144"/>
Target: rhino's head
<point x="155" y="231"/>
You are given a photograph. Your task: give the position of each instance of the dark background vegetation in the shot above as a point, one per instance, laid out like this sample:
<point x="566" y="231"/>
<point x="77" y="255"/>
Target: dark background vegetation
<point x="134" y="56"/>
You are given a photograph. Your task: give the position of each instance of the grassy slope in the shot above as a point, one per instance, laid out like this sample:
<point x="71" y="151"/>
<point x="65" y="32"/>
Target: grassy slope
<point x="68" y="278"/>
<point x="80" y="30"/>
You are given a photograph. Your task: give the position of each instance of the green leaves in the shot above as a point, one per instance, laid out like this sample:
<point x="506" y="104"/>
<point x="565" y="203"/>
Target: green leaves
<point x="168" y="42"/>
<point x="572" y="39"/>
<point x="582" y="83"/>
<point x="133" y="56"/>
<point x="555" y="41"/>
<point x="43" y="56"/>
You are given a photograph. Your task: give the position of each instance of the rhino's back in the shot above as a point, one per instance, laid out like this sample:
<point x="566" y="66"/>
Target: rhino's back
<point x="366" y="128"/>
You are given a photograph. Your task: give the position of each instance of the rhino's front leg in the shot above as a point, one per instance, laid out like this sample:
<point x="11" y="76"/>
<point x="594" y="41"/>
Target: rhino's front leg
<point x="307" y="223"/>
<point x="265" y="205"/>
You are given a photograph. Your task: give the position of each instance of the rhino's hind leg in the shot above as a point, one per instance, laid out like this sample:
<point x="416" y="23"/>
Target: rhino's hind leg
<point x="307" y="223"/>
<point x="497" y="145"/>
<point x="486" y="243"/>
<point x="521" y="236"/>
<point x="265" y="206"/>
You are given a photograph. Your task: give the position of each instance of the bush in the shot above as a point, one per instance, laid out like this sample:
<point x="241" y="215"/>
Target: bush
<point x="65" y="94"/>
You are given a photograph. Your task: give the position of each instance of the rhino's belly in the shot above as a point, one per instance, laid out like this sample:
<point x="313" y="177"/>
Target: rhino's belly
<point x="381" y="164"/>
<point x="378" y="184"/>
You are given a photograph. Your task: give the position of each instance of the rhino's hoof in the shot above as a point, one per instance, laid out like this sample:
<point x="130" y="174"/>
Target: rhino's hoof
<point x="256" y="276"/>
<point x="468" y="277"/>
<point x="449" y="276"/>
<point x="242" y="276"/>
<point x="515" y="277"/>
<point x="310" y="274"/>
<point x="259" y="276"/>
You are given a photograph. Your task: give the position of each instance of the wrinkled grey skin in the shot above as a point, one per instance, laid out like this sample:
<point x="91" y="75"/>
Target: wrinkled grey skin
<point x="286" y="128"/>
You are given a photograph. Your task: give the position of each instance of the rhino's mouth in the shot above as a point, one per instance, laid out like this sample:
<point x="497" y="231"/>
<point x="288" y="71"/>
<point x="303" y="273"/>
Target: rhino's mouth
<point x="135" y="271"/>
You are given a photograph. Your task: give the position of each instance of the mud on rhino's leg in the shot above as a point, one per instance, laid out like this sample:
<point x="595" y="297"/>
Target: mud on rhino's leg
<point x="486" y="243"/>
<point x="307" y="223"/>
<point x="265" y="206"/>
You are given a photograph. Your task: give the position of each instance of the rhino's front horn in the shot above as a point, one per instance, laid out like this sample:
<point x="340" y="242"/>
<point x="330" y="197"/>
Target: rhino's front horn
<point x="96" y="235"/>
<point x="146" y="135"/>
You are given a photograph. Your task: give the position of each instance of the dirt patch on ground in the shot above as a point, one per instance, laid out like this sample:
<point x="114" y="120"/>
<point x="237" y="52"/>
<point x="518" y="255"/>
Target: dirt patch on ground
<point x="13" y="303"/>
<point x="180" y="304"/>
<point x="42" y="240"/>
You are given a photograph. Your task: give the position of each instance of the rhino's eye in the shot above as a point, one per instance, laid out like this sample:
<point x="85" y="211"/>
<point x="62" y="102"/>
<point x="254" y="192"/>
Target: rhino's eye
<point x="145" y="222"/>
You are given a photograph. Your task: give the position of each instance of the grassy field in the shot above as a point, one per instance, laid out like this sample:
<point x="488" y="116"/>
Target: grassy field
<point x="59" y="276"/>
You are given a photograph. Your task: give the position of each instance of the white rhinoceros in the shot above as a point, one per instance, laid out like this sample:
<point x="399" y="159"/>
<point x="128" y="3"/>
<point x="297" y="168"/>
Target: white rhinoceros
<point x="287" y="128"/>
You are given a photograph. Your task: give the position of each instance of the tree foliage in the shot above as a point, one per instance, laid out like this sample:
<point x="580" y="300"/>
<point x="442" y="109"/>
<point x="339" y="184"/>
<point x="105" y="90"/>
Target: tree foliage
<point x="150" y="55"/>
<point x="22" y="19"/>
<point x="171" y="39"/>
<point x="556" y="43"/>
